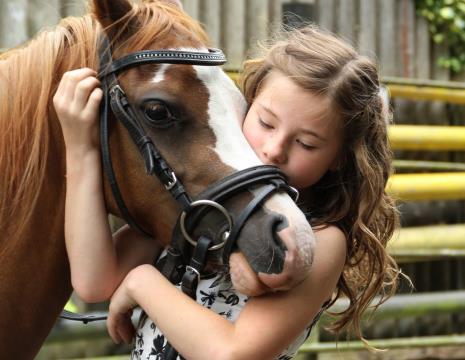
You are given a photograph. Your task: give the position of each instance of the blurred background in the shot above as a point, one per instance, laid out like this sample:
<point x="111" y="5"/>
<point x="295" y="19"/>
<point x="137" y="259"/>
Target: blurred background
<point x="420" y="48"/>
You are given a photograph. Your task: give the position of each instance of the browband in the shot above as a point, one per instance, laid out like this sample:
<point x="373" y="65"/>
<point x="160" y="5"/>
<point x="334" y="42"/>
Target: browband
<point x="214" y="57"/>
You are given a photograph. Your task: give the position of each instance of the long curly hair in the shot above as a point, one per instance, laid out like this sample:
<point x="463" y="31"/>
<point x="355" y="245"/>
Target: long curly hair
<point x="353" y="197"/>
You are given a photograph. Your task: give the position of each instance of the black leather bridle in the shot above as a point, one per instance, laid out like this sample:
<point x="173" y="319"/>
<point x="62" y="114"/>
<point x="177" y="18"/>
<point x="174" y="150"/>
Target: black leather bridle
<point x="176" y="265"/>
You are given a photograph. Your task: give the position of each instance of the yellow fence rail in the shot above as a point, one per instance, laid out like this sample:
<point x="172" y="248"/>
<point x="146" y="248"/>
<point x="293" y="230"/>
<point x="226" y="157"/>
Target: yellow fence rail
<point x="421" y="137"/>
<point x="430" y="90"/>
<point x="432" y="241"/>
<point x="428" y="186"/>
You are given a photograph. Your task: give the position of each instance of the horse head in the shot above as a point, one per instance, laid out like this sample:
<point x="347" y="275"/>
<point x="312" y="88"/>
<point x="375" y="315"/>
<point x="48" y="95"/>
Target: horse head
<point x="192" y="113"/>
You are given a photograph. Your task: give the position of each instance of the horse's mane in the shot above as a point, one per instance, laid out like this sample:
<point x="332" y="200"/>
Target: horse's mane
<point x="29" y="76"/>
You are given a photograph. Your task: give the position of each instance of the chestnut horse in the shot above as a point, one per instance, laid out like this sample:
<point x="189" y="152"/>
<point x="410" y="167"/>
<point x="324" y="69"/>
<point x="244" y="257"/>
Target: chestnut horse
<point x="203" y="144"/>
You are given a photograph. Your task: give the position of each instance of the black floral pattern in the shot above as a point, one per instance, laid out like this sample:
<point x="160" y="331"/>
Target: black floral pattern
<point x="158" y="348"/>
<point x="207" y="299"/>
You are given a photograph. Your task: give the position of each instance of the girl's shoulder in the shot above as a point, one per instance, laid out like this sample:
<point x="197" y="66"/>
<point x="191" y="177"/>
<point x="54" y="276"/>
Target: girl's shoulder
<point x="330" y="251"/>
<point x="330" y="233"/>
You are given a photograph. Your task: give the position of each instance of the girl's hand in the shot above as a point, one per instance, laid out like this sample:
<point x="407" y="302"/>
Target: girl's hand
<point x="119" y="323"/>
<point x="244" y="278"/>
<point x="77" y="102"/>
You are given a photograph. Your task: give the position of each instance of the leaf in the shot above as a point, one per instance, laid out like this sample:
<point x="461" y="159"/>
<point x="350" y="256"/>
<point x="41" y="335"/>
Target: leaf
<point x="438" y="38"/>
<point x="447" y="13"/>
<point x="459" y="23"/>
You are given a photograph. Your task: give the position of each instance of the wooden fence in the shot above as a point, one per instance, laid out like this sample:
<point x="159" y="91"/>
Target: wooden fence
<point x="387" y="30"/>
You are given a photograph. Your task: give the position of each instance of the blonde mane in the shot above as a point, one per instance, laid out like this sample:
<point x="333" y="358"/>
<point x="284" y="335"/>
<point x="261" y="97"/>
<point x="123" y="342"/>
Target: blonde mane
<point x="29" y="76"/>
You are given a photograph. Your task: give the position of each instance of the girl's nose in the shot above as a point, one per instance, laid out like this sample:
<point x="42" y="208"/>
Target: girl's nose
<point x="274" y="150"/>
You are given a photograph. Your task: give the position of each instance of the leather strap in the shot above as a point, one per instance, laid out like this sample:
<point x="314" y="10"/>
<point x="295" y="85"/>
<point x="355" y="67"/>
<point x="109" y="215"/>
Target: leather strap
<point x="214" y="57"/>
<point x="191" y="277"/>
<point x="242" y="218"/>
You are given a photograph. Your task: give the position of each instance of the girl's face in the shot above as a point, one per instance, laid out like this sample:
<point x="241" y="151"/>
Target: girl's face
<point x="292" y="128"/>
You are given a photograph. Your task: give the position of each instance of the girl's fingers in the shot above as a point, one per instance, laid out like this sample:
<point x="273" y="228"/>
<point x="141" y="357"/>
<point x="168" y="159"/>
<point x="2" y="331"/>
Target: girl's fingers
<point x="112" y="330"/>
<point x="93" y="103"/>
<point x="126" y="329"/>
<point x="83" y="90"/>
<point x="120" y="328"/>
<point x="70" y="80"/>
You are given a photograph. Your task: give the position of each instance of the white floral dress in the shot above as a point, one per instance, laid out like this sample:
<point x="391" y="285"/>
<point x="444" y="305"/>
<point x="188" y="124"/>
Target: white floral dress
<point x="215" y="293"/>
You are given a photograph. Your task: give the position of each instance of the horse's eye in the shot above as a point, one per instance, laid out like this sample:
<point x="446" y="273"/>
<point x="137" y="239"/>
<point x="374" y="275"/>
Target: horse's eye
<point x="157" y="112"/>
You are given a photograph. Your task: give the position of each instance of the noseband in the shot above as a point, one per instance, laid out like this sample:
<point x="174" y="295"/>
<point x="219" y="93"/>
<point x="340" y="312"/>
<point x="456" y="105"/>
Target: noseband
<point x="266" y="179"/>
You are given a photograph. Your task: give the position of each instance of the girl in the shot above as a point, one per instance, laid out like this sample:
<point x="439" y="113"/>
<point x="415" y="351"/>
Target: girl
<point x="315" y="111"/>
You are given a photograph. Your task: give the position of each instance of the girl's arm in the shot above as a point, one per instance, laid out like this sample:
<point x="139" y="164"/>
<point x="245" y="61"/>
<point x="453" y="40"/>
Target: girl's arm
<point x="265" y="327"/>
<point x="98" y="263"/>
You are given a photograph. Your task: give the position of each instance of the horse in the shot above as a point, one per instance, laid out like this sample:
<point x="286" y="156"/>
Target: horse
<point x="203" y="144"/>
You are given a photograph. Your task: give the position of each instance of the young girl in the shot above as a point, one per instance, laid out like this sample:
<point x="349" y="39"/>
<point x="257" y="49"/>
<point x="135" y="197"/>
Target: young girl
<point x="315" y="111"/>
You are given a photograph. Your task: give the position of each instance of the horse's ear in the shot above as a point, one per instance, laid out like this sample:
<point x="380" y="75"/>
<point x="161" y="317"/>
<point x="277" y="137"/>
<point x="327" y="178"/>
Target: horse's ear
<point x="178" y="3"/>
<point x="108" y="12"/>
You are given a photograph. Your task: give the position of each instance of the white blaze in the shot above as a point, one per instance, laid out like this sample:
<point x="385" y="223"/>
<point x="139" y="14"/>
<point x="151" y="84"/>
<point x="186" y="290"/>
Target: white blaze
<point x="160" y="75"/>
<point x="226" y="110"/>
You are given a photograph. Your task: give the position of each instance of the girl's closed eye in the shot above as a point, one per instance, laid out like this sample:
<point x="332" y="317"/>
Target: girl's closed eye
<point x="305" y="145"/>
<point x="264" y="124"/>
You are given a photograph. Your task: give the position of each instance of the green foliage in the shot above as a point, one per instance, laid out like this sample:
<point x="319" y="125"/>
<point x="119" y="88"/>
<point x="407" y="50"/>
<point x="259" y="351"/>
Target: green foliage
<point x="446" y="19"/>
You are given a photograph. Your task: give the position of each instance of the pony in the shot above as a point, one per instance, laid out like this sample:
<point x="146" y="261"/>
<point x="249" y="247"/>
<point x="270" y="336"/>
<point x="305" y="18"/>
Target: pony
<point x="205" y="145"/>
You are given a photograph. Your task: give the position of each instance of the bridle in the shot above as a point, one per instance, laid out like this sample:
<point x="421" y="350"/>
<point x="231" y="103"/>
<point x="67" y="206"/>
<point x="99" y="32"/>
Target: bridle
<point x="177" y="265"/>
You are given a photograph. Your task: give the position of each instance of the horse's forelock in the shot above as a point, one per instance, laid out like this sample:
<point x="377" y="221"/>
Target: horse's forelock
<point x="152" y="21"/>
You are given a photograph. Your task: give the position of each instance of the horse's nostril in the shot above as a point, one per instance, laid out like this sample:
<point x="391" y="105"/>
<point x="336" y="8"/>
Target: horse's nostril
<point x="277" y="222"/>
<point x="280" y="222"/>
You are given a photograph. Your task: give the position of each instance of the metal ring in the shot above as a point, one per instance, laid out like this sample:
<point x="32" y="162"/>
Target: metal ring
<point x="207" y="203"/>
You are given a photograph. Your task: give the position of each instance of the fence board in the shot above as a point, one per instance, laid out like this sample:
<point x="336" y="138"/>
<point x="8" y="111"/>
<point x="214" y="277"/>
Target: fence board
<point x="210" y="15"/>
<point x="257" y="21"/>
<point x="73" y="7"/>
<point x="43" y="14"/>
<point x="276" y="12"/>
<point x="347" y="19"/>
<point x="423" y="49"/>
<point x="367" y="33"/>
<point x="406" y="11"/>
<point x="388" y="38"/>
<point x="13" y="22"/>
<point x="234" y="44"/>
<point x="192" y="7"/>
<point x="326" y="14"/>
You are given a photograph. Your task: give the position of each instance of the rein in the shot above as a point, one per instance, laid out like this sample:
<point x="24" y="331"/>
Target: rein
<point x="178" y="265"/>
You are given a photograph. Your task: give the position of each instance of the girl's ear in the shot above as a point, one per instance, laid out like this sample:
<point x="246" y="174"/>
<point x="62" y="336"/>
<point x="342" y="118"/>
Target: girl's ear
<point x="107" y="12"/>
